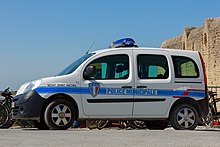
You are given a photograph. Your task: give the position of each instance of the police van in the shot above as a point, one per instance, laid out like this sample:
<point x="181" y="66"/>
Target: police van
<point x="156" y="85"/>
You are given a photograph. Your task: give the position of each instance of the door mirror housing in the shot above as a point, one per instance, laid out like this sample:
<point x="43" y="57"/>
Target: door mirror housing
<point x="89" y="73"/>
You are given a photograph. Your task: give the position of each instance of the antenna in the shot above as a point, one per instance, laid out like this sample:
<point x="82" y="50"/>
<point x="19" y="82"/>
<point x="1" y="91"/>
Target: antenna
<point x="90" y="47"/>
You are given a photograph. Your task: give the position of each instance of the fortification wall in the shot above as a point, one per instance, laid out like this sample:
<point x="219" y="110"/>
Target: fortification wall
<point x="205" y="39"/>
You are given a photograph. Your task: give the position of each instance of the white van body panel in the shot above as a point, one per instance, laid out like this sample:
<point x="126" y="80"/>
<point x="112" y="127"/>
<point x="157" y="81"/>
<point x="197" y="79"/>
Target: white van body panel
<point x="125" y="110"/>
<point x="133" y="102"/>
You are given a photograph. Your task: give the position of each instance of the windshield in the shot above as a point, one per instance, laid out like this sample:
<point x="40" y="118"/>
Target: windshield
<point x="72" y="67"/>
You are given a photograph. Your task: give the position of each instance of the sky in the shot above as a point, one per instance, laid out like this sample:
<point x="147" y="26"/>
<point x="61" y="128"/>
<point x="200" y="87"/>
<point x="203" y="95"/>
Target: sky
<point x="39" y="38"/>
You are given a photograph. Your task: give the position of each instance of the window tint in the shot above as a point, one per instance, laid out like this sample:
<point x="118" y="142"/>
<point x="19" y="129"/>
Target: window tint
<point x="185" y="67"/>
<point x="111" y="67"/>
<point x="152" y="67"/>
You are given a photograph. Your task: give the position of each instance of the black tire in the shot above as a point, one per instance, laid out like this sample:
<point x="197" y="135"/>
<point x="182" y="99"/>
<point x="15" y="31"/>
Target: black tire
<point x="156" y="125"/>
<point x="102" y="124"/>
<point x="40" y="125"/>
<point x="184" y="117"/>
<point x="59" y="115"/>
<point x="4" y="116"/>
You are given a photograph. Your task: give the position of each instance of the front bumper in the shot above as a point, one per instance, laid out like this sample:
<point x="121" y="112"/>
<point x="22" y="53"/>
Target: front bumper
<point x="27" y="106"/>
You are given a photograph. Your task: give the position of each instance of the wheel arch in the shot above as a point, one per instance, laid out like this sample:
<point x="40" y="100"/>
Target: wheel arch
<point x="60" y="96"/>
<point x="185" y="100"/>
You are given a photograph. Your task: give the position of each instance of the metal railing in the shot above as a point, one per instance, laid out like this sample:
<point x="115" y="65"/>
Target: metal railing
<point x="214" y="89"/>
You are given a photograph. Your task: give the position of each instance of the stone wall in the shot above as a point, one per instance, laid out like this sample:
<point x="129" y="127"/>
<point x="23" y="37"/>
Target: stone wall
<point x="205" y="39"/>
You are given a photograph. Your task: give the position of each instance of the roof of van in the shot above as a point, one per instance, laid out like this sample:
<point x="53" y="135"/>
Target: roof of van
<point x="145" y="48"/>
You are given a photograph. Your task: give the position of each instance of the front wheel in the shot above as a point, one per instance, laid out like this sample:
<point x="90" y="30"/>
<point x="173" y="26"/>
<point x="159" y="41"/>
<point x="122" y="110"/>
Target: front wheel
<point x="8" y="124"/>
<point x="59" y="115"/>
<point x="184" y="117"/>
<point x="4" y="116"/>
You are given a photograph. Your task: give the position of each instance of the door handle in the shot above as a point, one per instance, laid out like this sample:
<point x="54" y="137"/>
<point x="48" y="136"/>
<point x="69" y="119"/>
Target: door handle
<point x="141" y="86"/>
<point x="126" y="87"/>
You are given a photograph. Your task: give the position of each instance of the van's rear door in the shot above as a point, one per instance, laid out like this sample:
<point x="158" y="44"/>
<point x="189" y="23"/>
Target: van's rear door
<point x="153" y="83"/>
<point x="189" y="76"/>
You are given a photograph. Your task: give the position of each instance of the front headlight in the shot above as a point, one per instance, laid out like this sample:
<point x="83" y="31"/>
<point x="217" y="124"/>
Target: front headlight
<point x="32" y="86"/>
<point x="27" y="87"/>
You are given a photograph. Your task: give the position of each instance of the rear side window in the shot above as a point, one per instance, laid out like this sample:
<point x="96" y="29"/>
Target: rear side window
<point x="185" y="67"/>
<point x="152" y="67"/>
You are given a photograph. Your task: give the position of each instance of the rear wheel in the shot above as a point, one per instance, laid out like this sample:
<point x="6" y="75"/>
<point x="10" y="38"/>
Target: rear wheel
<point x="209" y="119"/>
<point x="139" y="124"/>
<point x="184" y="117"/>
<point x="59" y="115"/>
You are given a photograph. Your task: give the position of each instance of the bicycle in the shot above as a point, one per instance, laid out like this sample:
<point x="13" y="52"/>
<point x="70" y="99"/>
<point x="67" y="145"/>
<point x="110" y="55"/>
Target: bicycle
<point x="214" y="113"/>
<point x="122" y="124"/>
<point x="6" y="109"/>
<point x="139" y="124"/>
<point x="102" y="124"/>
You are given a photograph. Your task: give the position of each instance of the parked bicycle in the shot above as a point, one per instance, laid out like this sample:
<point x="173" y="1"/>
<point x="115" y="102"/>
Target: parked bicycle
<point x="6" y="109"/>
<point x="122" y="124"/>
<point x="214" y="113"/>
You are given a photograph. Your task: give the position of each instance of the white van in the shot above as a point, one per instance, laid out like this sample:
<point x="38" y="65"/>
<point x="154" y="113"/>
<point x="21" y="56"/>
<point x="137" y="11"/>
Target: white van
<point x="157" y="85"/>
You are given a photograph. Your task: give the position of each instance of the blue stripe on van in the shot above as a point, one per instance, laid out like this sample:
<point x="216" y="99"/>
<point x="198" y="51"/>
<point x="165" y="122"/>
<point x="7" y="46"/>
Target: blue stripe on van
<point x="121" y="91"/>
<point x="58" y="89"/>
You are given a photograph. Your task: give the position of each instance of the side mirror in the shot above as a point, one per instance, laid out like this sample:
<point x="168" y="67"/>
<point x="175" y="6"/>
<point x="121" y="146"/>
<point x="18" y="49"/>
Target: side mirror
<point x="89" y="73"/>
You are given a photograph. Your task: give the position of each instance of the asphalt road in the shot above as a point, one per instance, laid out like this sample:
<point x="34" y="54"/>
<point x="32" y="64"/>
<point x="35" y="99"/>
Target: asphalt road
<point x="201" y="137"/>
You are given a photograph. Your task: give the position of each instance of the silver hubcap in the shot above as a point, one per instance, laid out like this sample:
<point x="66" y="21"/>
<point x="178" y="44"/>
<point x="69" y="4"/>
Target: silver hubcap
<point x="61" y="115"/>
<point x="186" y="117"/>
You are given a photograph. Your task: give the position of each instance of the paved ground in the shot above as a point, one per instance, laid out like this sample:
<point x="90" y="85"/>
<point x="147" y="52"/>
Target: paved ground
<point x="201" y="137"/>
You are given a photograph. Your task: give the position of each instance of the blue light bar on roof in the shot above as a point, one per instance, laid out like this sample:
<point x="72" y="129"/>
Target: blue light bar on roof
<point x="125" y="42"/>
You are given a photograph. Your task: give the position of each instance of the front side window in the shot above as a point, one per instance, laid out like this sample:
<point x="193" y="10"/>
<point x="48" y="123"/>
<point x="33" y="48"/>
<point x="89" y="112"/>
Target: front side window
<point x="185" y="67"/>
<point x="111" y="67"/>
<point x="152" y="67"/>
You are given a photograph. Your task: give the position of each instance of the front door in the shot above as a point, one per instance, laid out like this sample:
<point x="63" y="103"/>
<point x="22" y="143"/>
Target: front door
<point x="110" y="92"/>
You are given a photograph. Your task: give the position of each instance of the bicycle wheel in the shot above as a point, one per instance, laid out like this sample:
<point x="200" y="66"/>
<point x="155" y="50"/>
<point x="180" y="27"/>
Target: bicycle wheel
<point x="8" y="124"/>
<point x="209" y="119"/>
<point x="91" y="124"/>
<point x="102" y="124"/>
<point x="4" y="115"/>
<point x="139" y="124"/>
